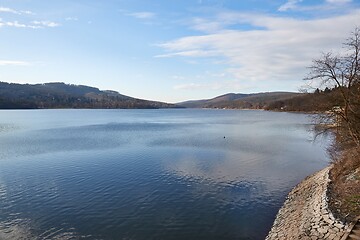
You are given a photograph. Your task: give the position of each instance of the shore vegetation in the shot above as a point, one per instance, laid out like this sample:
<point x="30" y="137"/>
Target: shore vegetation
<point x="338" y="75"/>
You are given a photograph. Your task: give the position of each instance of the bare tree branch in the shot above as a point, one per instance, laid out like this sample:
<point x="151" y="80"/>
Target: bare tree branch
<point x="343" y="73"/>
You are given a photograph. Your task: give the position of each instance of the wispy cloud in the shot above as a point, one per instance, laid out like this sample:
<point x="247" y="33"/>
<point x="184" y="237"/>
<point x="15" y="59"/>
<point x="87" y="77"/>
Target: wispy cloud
<point x="142" y="15"/>
<point x="16" y="24"/>
<point x="276" y="49"/>
<point x="190" y="53"/>
<point x="204" y="25"/>
<point x="13" y="63"/>
<point x="32" y="25"/>
<point x="24" y="22"/>
<point x="13" y="11"/>
<point x="71" y="19"/>
<point x="8" y="10"/>
<point x="290" y="4"/>
<point x="295" y="5"/>
<point x="45" y="23"/>
<point x="339" y="1"/>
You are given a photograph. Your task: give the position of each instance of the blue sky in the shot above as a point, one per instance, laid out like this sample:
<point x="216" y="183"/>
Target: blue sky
<point x="170" y="50"/>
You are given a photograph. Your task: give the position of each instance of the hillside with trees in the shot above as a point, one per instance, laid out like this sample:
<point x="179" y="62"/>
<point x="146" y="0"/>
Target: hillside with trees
<point x="318" y="101"/>
<point x="241" y="101"/>
<point x="61" y="95"/>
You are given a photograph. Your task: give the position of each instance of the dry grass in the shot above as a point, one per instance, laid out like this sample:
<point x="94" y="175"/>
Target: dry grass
<point x="344" y="191"/>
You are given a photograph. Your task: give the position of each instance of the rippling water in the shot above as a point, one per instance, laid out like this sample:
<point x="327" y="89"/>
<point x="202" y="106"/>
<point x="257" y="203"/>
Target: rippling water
<point x="150" y="174"/>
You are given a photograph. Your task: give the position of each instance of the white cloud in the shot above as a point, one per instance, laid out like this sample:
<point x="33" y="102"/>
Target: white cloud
<point x="8" y="10"/>
<point x="277" y="49"/>
<point x="190" y="53"/>
<point x="13" y="63"/>
<point x="338" y="1"/>
<point x="33" y="25"/>
<point x="27" y="12"/>
<point x="204" y="25"/>
<point x="45" y="23"/>
<point x="142" y="15"/>
<point x="71" y="19"/>
<point x="290" y="4"/>
<point x="333" y="5"/>
<point x="15" y="24"/>
<point x="18" y="24"/>
<point x="13" y="11"/>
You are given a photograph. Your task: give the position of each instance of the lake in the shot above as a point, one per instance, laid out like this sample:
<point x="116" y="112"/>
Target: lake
<point x="150" y="174"/>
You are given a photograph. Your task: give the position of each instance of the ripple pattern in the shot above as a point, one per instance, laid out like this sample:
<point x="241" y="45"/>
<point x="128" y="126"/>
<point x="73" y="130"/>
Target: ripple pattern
<point x="154" y="174"/>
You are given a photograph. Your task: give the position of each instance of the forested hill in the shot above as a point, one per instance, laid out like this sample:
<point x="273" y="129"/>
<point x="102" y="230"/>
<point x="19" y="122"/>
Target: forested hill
<point x="61" y="95"/>
<point x="241" y="101"/>
<point x="319" y="101"/>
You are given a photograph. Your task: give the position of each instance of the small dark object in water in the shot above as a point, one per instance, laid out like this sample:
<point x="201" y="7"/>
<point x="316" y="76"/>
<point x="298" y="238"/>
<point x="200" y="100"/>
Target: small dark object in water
<point x="224" y="136"/>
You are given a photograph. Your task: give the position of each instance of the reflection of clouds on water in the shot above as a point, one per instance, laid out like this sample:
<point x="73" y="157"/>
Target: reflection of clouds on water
<point x="2" y="191"/>
<point x="7" y="127"/>
<point x="22" y="229"/>
<point x="14" y="226"/>
<point x="221" y="178"/>
<point x="219" y="168"/>
<point x="15" y="231"/>
<point x="252" y="173"/>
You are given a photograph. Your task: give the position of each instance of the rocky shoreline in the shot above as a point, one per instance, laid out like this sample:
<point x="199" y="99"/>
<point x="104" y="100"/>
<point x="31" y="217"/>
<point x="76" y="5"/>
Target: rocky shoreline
<point x="305" y="213"/>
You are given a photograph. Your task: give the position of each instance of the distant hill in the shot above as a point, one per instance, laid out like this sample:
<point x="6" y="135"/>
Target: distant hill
<point x="61" y="95"/>
<point x="241" y="101"/>
<point x="319" y="101"/>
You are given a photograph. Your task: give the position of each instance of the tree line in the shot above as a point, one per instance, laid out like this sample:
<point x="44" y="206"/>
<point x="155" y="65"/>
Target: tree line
<point x="61" y="95"/>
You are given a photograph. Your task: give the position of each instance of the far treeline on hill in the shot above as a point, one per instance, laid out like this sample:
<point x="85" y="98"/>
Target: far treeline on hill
<point x="61" y="95"/>
<point x="277" y="101"/>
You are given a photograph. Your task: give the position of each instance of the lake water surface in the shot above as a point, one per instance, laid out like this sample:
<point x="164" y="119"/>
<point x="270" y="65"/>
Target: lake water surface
<point x="150" y="174"/>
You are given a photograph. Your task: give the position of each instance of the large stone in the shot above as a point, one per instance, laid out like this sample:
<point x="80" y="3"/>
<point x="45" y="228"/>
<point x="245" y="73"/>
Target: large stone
<point x="340" y="226"/>
<point x="322" y="230"/>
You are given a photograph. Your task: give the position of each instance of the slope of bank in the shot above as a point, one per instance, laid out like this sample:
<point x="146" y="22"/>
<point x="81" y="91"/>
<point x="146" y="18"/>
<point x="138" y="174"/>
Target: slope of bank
<point x="305" y="213"/>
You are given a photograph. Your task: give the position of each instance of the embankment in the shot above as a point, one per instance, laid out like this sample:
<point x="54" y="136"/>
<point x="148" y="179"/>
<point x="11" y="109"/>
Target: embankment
<point x="305" y="213"/>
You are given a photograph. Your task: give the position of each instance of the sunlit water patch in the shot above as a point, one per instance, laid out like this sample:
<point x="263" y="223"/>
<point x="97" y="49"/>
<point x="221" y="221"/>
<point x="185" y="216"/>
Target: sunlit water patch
<point x="150" y="174"/>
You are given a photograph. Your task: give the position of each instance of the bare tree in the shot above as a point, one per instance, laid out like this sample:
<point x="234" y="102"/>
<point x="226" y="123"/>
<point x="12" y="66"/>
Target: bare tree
<point x="342" y="71"/>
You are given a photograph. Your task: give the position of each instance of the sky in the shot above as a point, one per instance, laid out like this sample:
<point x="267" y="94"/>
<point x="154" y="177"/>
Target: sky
<point x="171" y="50"/>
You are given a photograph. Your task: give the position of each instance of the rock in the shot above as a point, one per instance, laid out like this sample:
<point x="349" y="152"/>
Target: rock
<point x="340" y="226"/>
<point x="322" y="230"/>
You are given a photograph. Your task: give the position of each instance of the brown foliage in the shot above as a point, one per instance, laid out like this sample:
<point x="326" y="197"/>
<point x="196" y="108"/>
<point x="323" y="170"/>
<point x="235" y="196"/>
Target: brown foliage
<point x="344" y="192"/>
